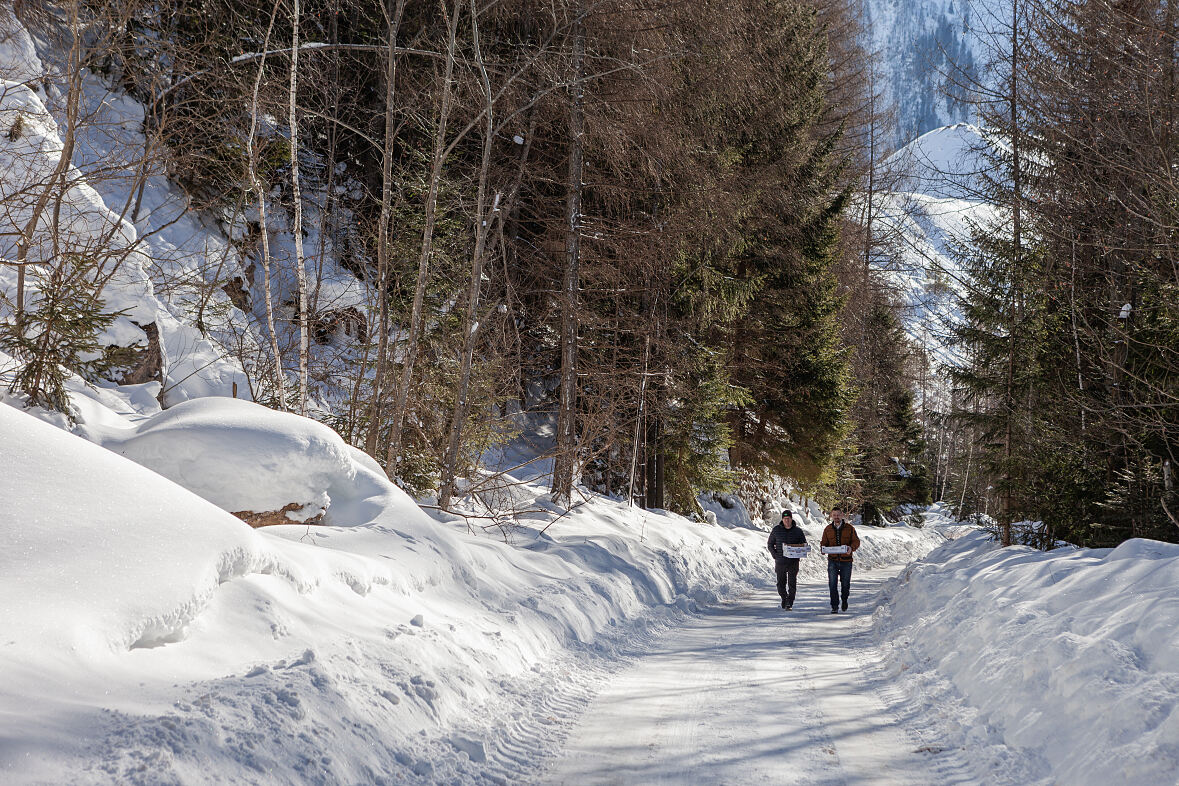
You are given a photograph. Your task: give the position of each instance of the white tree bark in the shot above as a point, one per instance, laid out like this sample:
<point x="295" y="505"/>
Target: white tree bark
<point x="297" y="196"/>
<point x="73" y="74"/>
<point x="256" y="187"/>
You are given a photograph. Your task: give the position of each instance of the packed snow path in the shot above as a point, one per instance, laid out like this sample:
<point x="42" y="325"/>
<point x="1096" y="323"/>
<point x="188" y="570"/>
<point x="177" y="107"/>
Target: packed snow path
<point x="751" y="693"/>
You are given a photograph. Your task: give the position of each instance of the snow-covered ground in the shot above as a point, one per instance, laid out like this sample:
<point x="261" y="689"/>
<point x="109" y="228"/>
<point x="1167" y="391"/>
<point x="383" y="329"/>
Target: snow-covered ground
<point x="96" y="219"/>
<point x="749" y="693"/>
<point x="972" y="665"/>
<point x="1052" y="667"/>
<point x="187" y="277"/>
<point x="150" y="636"/>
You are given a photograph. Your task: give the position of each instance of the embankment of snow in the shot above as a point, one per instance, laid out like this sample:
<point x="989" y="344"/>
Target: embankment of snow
<point x="102" y="555"/>
<point x="1069" y="658"/>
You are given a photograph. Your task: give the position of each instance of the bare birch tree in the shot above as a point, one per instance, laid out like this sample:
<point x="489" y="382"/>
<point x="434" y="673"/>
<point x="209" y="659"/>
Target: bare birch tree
<point x="264" y="230"/>
<point x="297" y="230"/>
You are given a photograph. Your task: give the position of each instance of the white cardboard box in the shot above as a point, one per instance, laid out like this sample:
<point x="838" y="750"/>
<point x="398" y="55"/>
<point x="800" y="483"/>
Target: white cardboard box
<point x="837" y="549"/>
<point x="795" y="552"/>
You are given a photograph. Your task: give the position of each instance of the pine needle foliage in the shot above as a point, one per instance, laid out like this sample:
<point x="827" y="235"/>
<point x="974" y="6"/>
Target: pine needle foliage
<point x="59" y="335"/>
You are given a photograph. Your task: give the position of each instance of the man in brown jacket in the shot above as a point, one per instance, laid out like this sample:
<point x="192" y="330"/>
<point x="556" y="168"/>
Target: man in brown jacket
<point x="839" y="566"/>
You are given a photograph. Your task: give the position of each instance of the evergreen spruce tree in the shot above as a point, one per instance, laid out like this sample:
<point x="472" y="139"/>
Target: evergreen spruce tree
<point x="59" y="334"/>
<point x="784" y="349"/>
<point x="886" y="446"/>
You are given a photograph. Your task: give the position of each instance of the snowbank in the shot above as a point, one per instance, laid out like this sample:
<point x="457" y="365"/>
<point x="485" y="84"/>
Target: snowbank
<point x="79" y="559"/>
<point x="1070" y="657"/>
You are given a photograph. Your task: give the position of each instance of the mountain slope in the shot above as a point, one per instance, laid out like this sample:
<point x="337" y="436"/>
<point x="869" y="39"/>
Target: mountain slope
<point x="937" y="197"/>
<point x="924" y="46"/>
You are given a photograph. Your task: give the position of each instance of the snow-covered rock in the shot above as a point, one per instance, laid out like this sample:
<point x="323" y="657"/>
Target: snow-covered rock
<point x="93" y="217"/>
<point x="242" y="456"/>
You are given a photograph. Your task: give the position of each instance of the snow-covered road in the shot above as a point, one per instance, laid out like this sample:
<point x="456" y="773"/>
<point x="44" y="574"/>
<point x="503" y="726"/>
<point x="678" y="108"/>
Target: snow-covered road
<point x="750" y="693"/>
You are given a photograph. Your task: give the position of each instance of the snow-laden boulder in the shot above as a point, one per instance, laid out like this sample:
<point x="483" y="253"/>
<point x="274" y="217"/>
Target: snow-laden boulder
<point x="91" y="218"/>
<point x="244" y="458"/>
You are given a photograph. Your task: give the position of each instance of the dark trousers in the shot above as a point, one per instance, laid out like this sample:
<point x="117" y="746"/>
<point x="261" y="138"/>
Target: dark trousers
<point x="787" y="570"/>
<point x="838" y="572"/>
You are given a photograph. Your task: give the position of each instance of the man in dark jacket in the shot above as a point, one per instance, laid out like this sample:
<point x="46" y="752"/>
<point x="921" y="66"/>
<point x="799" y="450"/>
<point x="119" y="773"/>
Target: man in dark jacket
<point x="839" y="533"/>
<point x="785" y="533"/>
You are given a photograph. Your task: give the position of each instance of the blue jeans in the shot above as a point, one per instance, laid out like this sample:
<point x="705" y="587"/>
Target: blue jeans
<point x="841" y="572"/>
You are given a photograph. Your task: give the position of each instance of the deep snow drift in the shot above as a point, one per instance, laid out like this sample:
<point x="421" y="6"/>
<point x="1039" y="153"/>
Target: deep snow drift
<point x="151" y="637"/>
<point x="1053" y="667"/>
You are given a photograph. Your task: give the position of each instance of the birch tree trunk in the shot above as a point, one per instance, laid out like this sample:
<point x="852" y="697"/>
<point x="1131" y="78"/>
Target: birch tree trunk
<point x="256" y="187"/>
<point x="73" y="74"/>
<point x="634" y="454"/>
<point x="1017" y="250"/>
<point x="296" y="195"/>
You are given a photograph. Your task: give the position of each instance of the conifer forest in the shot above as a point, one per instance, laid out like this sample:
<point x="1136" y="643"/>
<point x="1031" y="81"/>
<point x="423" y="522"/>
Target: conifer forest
<point x="660" y="243"/>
